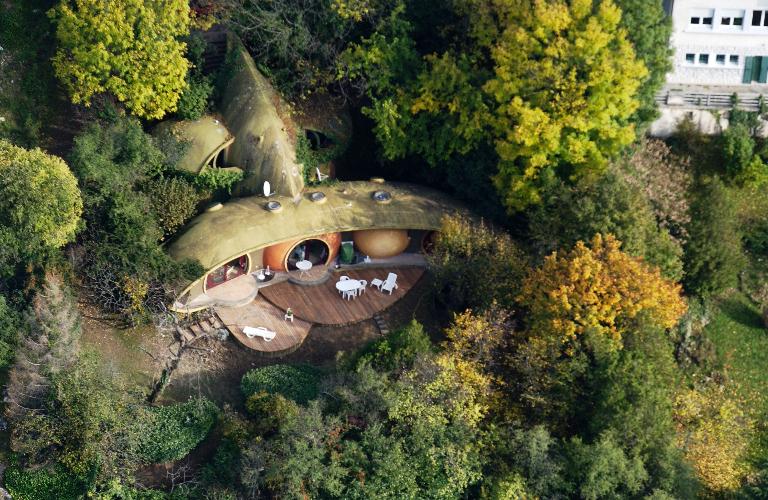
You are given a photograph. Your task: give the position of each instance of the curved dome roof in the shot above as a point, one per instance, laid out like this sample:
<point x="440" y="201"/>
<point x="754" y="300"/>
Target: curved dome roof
<point x="206" y="136"/>
<point x="243" y="224"/>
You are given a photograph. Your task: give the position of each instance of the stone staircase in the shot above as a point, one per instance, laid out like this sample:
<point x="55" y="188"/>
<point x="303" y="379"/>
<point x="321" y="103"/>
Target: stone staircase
<point x="381" y="324"/>
<point x="215" y="50"/>
<point x="205" y="324"/>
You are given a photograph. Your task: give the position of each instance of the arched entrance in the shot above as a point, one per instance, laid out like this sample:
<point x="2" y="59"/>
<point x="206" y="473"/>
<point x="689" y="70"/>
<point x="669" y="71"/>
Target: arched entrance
<point x="229" y="271"/>
<point x="314" y="250"/>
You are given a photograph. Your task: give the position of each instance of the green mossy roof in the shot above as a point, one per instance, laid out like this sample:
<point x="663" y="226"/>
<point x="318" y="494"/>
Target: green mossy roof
<point x="243" y="224"/>
<point x="206" y="136"/>
<point x="263" y="148"/>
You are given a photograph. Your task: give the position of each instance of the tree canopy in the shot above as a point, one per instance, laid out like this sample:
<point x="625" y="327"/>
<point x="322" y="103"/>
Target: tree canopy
<point x="598" y="289"/>
<point x="130" y="48"/>
<point x="551" y="85"/>
<point x="40" y="205"/>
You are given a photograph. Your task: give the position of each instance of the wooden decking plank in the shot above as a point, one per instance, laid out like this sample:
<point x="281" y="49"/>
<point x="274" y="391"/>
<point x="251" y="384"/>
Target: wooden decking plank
<point x="290" y="334"/>
<point x="324" y="305"/>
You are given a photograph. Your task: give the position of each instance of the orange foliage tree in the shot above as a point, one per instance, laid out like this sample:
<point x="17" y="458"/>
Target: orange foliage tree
<point x="600" y="289"/>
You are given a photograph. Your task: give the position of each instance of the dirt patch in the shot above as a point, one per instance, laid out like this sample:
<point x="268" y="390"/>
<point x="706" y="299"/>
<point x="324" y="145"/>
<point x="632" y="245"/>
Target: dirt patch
<point x="137" y="353"/>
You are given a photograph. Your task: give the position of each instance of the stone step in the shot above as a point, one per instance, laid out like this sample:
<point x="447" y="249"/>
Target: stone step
<point x="184" y="334"/>
<point x="196" y="329"/>
<point x="381" y="324"/>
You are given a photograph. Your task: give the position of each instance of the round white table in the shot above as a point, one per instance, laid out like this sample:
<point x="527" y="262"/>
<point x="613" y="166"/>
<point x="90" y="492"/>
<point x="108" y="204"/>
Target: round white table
<point x="303" y="266"/>
<point x="347" y="286"/>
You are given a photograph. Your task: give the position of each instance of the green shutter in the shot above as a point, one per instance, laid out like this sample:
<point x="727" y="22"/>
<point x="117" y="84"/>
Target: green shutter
<point x="749" y="63"/>
<point x="763" y="70"/>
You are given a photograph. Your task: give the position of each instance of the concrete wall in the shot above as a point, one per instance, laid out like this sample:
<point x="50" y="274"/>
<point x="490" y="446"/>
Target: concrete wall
<point x="740" y="41"/>
<point x="708" y="121"/>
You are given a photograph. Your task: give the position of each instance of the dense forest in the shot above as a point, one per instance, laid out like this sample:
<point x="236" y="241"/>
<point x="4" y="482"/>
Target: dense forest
<point x="595" y="325"/>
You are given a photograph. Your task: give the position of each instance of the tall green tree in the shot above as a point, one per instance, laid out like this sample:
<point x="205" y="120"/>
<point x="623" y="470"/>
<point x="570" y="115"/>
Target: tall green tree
<point x="713" y="253"/>
<point x="40" y="206"/>
<point x="129" y="48"/>
<point x="551" y="85"/>
<point x="608" y="205"/>
<point x="648" y="28"/>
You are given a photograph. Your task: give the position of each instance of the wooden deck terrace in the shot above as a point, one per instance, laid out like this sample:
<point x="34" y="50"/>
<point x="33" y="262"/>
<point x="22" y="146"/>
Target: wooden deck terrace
<point x="290" y="334"/>
<point x="323" y="304"/>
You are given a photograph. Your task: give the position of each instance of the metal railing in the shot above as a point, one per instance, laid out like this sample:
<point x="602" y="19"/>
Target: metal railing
<point x="673" y="99"/>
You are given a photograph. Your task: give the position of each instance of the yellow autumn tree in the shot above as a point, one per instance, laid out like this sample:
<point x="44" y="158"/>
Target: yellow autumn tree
<point x="550" y="85"/>
<point x="597" y="288"/>
<point x="129" y="48"/>
<point x="715" y="434"/>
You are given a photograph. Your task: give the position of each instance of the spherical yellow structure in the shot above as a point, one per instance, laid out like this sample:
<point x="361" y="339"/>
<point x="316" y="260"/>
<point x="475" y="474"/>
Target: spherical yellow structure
<point x="381" y="243"/>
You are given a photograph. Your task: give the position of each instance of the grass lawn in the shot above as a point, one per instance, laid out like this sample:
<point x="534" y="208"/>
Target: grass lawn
<point x="741" y="342"/>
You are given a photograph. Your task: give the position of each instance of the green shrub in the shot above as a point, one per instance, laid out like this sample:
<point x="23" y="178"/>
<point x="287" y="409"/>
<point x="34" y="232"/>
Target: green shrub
<point x="194" y="100"/>
<point x="214" y="179"/>
<point x="9" y="332"/>
<point x="43" y="484"/>
<point x="270" y="410"/>
<point x="398" y="349"/>
<point x="169" y="433"/>
<point x="299" y="383"/>
<point x="174" y="201"/>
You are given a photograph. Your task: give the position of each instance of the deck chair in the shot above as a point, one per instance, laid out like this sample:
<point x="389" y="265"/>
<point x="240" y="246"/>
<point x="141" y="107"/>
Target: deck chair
<point x="320" y="176"/>
<point x="390" y="284"/>
<point x="259" y="331"/>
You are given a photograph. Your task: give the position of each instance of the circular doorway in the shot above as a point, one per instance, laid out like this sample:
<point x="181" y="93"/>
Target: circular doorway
<point x="315" y="251"/>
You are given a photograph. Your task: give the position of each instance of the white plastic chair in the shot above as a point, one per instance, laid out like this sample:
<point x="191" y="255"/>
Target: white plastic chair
<point x="344" y="278"/>
<point x="363" y="284"/>
<point x="259" y="331"/>
<point x="390" y="284"/>
<point x="348" y="294"/>
<point x="320" y="176"/>
<point x="377" y="283"/>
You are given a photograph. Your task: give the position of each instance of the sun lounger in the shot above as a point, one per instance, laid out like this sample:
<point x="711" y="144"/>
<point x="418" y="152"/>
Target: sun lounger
<point x="259" y="331"/>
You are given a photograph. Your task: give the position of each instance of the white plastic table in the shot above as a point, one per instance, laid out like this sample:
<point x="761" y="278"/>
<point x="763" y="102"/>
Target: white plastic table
<point x="347" y="285"/>
<point x="303" y="266"/>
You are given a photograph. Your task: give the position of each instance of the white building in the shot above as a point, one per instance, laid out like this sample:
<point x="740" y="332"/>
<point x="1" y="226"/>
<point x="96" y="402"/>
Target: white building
<point x="720" y="49"/>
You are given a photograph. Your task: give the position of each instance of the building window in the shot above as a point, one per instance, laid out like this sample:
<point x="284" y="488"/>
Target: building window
<point x="759" y="18"/>
<point x="702" y="17"/>
<point x="733" y="60"/>
<point x="732" y="18"/>
<point x="690" y="58"/>
<point x="720" y="59"/>
<point x="703" y="58"/>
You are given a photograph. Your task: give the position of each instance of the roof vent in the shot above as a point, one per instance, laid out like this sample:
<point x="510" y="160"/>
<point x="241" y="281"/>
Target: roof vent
<point x="382" y="196"/>
<point x="317" y="196"/>
<point x="273" y="206"/>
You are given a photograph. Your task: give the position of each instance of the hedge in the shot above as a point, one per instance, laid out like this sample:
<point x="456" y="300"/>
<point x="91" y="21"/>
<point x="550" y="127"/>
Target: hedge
<point x="170" y="432"/>
<point x="43" y="484"/>
<point x="296" y="382"/>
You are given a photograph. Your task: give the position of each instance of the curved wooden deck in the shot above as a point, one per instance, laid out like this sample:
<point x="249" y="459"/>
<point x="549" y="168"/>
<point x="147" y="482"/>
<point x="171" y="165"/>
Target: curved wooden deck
<point x="324" y="305"/>
<point x="290" y="334"/>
